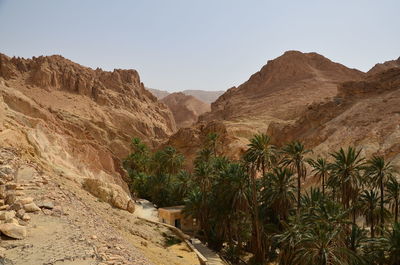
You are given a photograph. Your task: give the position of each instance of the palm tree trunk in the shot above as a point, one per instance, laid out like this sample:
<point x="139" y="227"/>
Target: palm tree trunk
<point x="298" y="188"/>
<point x="259" y="255"/>
<point x="382" y="194"/>
<point x="372" y="227"/>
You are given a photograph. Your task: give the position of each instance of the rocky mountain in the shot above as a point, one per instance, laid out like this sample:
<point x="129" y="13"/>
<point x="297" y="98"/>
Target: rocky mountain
<point x="206" y="96"/>
<point x="186" y="109"/>
<point x="203" y="95"/>
<point x="159" y="94"/>
<point x="384" y="66"/>
<point x="280" y="92"/>
<point x="282" y="88"/>
<point x="364" y="113"/>
<point x="75" y="118"/>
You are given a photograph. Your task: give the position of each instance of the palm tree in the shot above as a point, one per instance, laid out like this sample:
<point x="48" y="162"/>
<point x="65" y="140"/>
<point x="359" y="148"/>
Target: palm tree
<point x="171" y="160"/>
<point x="261" y="153"/>
<point x="320" y="169"/>
<point x="369" y="205"/>
<point x="325" y="246"/>
<point x="279" y="191"/>
<point x="181" y="185"/>
<point x="212" y="142"/>
<point x="346" y="170"/>
<point x="294" y="157"/>
<point x="319" y="236"/>
<point x="259" y="156"/>
<point x="230" y="201"/>
<point x="193" y="204"/>
<point x="393" y="244"/>
<point x="386" y="249"/>
<point x="379" y="171"/>
<point x="393" y="192"/>
<point x="138" y="161"/>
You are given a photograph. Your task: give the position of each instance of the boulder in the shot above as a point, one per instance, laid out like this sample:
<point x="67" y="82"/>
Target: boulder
<point x="2" y="191"/>
<point x="131" y="206"/>
<point x="107" y="192"/>
<point x="20" y="213"/>
<point x="11" y="186"/>
<point x="26" y="217"/>
<point x="13" y="230"/>
<point x="46" y="204"/>
<point x="31" y="207"/>
<point x="10" y="198"/>
<point x="7" y="215"/>
<point x="26" y="200"/>
<point x="16" y="206"/>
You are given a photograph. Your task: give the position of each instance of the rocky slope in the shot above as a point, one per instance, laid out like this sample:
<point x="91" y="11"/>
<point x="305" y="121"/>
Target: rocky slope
<point x="384" y="66"/>
<point x="64" y="129"/>
<point x="282" y="88"/>
<point x="364" y="113"/>
<point x="186" y="109"/>
<point x="280" y="92"/>
<point x="58" y="222"/>
<point x="77" y="119"/>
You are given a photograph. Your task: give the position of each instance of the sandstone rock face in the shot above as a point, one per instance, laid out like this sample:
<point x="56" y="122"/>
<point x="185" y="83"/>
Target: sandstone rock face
<point x="77" y="119"/>
<point x="13" y="230"/>
<point x="111" y="193"/>
<point x="279" y="93"/>
<point x="186" y="109"/>
<point x="364" y="113"/>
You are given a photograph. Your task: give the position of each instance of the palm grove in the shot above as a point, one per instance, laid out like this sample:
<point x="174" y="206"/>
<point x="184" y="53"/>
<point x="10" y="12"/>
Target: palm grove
<point x="258" y="205"/>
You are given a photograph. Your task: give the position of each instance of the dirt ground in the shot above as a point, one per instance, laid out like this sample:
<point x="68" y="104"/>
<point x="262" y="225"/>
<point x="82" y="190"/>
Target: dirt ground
<point x="82" y="230"/>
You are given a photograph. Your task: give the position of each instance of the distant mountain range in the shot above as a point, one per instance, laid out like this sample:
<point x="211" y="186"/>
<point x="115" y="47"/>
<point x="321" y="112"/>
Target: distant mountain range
<point x="206" y="96"/>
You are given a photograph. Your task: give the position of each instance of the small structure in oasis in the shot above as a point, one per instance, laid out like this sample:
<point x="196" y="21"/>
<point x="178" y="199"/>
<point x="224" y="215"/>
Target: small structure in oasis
<point x="173" y="216"/>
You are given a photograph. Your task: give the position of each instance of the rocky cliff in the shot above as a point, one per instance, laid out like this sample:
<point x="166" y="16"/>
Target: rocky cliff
<point x="77" y="119"/>
<point x="186" y="109"/>
<point x="364" y="113"/>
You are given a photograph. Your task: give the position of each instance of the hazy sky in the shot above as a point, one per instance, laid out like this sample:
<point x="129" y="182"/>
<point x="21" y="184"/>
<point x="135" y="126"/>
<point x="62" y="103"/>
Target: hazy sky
<point x="204" y="44"/>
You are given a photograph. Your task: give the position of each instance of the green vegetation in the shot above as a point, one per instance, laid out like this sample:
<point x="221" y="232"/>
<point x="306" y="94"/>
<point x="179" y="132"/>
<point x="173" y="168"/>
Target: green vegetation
<point x="259" y="204"/>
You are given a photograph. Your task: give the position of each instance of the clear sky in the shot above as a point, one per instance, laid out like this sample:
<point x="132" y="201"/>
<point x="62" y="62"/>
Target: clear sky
<point x="203" y="44"/>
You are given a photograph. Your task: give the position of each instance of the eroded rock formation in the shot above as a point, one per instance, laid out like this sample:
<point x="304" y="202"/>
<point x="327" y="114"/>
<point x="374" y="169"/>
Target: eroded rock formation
<point x="186" y="109"/>
<point x="75" y="118"/>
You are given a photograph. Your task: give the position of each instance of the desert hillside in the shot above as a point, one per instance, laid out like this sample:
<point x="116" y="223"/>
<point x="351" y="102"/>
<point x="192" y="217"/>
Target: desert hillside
<point x="379" y="67"/>
<point x="364" y="113"/>
<point x="185" y="109"/>
<point x="282" y="88"/>
<point x="76" y="118"/>
<point x="278" y="93"/>
<point x="64" y="130"/>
